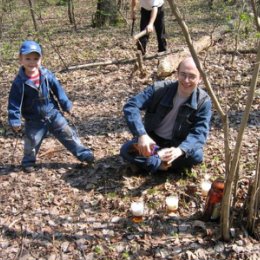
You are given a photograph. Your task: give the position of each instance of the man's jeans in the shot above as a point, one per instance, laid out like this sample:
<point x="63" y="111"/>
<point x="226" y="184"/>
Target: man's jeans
<point x="152" y="163"/>
<point x="35" y="131"/>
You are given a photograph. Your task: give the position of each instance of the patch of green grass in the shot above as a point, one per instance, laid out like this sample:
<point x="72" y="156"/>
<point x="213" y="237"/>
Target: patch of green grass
<point x="191" y="174"/>
<point x="153" y="204"/>
<point x="6" y="51"/>
<point x="182" y="182"/>
<point x="2" y="131"/>
<point x="203" y="167"/>
<point x="125" y="255"/>
<point x="98" y="250"/>
<point x="111" y="195"/>
<point x="216" y="159"/>
<point x="151" y="191"/>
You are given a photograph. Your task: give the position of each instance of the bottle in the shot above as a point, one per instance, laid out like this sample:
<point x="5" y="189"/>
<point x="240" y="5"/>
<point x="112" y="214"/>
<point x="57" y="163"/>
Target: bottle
<point x="213" y="201"/>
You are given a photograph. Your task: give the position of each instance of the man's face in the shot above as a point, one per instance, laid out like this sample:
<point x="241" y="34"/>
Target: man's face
<point x="188" y="77"/>
<point x="31" y="63"/>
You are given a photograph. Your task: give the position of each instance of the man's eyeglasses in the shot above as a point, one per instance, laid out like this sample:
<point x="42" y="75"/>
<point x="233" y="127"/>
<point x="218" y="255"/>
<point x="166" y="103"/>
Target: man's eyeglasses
<point x="184" y="75"/>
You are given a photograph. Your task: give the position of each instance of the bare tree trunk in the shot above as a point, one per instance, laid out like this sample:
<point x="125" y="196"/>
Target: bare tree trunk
<point x="106" y="13"/>
<point x="235" y="160"/>
<point x="254" y="196"/>
<point x="256" y="13"/>
<point x="2" y="11"/>
<point x="71" y="14"/>
<point x="33" y="15"/>
<point x="225" y="219"/>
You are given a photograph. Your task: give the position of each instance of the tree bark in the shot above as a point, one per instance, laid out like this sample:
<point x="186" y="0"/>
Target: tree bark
<point x="106" y="13"/>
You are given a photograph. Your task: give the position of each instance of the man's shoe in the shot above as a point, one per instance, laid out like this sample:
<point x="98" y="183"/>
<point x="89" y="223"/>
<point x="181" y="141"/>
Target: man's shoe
<point x="28" y="169"/>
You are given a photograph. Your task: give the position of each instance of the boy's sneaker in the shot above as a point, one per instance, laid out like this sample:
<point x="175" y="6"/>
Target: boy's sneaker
<point x="90" y="159"/>
<point x="28" y="169"/>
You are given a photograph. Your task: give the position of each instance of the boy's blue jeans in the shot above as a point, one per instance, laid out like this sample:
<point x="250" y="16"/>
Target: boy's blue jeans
<point x="35" y="131"/>
<point x="152" y="163"/>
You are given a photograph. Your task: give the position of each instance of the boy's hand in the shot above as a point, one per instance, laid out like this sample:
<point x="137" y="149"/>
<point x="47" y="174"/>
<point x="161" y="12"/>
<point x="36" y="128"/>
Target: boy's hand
<point x="70" y="112"/>
<point x="16" y="129"/>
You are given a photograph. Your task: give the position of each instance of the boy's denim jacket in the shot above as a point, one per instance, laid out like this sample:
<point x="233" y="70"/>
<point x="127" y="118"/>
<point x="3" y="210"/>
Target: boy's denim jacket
<point x="35" y="103"/>
<point x="192" y="123"/>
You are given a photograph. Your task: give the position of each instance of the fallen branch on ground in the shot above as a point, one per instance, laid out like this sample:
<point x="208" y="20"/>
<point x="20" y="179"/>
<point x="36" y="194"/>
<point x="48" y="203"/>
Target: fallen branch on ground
<point x="117" y="62"/>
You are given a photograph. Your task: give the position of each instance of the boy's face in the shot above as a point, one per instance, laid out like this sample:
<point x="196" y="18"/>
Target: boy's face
<point x="31" y="63"/>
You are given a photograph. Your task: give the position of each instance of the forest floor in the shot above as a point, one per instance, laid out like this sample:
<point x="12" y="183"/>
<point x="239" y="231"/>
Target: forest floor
<point x="67" y="210"/>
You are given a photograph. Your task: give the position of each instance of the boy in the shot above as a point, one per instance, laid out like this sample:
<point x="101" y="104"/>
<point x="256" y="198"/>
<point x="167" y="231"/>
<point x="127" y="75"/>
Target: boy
<point x="36" y="95"/>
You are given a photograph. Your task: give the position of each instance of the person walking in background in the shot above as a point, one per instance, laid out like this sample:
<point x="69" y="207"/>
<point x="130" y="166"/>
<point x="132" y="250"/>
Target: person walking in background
<point x="152" y="16"/>
<point x="176" y="123"/>
<point x="37" y="96"/>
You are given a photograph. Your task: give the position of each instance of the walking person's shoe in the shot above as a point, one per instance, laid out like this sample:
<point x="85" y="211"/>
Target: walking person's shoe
<point x="28" y="169"/>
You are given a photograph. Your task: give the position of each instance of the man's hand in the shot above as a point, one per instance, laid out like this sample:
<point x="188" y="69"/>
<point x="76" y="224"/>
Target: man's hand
<point x="168" y="155"/>
<point x="145" y="144"/>
<point x="149" y="28"/>
<point x="16" y="129"/>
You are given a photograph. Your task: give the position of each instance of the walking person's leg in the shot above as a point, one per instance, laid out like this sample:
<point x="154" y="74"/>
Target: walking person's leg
<point x="142" y="42"/>
<point x="160" y="30"/>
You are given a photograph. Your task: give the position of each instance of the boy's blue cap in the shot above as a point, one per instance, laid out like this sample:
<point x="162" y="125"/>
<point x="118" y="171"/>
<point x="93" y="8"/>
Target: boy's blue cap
<point x="29" y="47"/>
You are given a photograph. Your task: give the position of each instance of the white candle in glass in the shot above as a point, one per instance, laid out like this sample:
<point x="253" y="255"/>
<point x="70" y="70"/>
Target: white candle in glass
<point x="137" y="208"/>
<point x="172" y="202"/>
<point x="205" y="187"/>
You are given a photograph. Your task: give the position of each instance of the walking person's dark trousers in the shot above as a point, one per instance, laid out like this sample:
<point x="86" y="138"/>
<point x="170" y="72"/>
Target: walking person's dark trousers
<point x="159" y="29"/>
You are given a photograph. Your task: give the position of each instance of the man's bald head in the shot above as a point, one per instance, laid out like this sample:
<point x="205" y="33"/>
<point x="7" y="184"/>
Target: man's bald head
<point x="187" y="62"/>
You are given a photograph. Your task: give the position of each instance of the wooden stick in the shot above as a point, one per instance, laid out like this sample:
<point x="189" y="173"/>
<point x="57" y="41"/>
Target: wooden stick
<point x="137" y="36"/>
<point x="140" y="63"/>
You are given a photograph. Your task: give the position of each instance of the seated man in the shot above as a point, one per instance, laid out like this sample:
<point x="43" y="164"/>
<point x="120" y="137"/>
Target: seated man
<point x="176" y="122"/>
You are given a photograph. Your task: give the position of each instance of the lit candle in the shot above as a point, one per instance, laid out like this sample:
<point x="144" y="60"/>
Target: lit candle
<point x="205" y="187"/>
<point x="172" y="203"/>
<point x="137" y="208"/>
